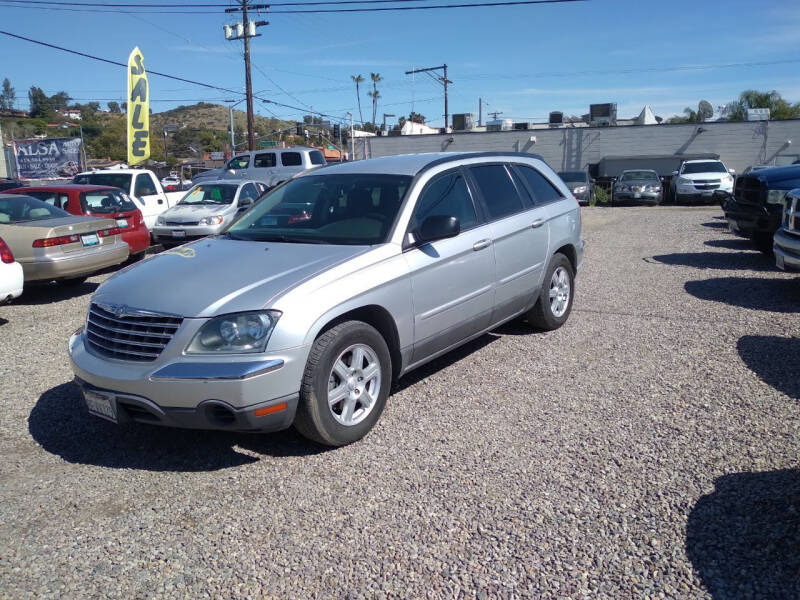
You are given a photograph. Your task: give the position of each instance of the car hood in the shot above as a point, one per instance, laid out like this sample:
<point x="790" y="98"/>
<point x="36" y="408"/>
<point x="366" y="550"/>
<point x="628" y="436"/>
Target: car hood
<point x="186" y="213"/>
<point x="215" y="276"/>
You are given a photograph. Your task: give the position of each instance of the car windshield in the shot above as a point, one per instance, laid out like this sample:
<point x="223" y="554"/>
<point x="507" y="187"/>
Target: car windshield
<point x="22" y="209"/>
<point x="215" y="193"/>
<point x="711" y="166"/>
<point x="106" y="201"/>
<point x="347" y="209"/>
<point x="117" y="180"/>
<point x="639" y="176"/>
<point x="574" y="176"/>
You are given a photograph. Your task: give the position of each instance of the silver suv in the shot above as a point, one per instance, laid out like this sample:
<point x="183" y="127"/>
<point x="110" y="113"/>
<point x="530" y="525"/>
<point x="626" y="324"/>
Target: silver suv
<point x="333" y="285"/>
<point x="271" y="167"/>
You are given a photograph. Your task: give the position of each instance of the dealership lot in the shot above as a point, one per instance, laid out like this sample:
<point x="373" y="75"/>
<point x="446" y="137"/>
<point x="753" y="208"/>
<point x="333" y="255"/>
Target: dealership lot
<point x="648" y="447"/>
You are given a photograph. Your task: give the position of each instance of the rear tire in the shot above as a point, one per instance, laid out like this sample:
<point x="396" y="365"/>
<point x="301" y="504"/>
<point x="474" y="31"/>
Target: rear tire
<point x="554" y="305"/>
<point x="345" y="385"/>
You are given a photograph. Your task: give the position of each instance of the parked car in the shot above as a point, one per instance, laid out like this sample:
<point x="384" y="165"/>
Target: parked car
<point x="11" y="277"/>
<point x="206" y="209"/>
<point x="580" y="184"/>
<point x="174" y="183"/>
<point x="271" y="323"/>
<point x="267" y="166"/>
<point x="640" y="185"/>
<point x="786" y="243"/>
<point x="141" y="185"/>
<point x="752" y="168"/>
<point x="97" y="201"/>
<point x="697" y="180"/>
<point x="52" y="244"/>
<point x="755" y="210"/>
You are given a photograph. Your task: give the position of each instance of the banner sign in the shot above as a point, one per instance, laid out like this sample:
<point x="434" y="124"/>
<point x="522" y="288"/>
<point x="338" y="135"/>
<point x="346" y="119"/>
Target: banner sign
<point x="138" y="110"/>
<point x="57" y="158"/>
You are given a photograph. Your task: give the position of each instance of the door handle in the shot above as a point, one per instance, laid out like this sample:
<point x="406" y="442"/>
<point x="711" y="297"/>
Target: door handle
<point x="481" y="245"/>
<point x="537" y="223"/>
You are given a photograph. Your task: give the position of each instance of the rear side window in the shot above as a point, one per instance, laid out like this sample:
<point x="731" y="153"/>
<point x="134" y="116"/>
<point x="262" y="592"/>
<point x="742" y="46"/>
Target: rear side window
<point x="145" y="185"/>
<point x="316" y="157"/>
<point x="239" y="162"/>
<point x="248" y="191"/>
<point x="543" y="190"/>
<point x="106" y="202"/>
<point x="52" y="198"/>
<point x="291" y="159"/>
<point x="499" y="193"/>
<point x="262" y="161"/>
<point x="446" y="195"/>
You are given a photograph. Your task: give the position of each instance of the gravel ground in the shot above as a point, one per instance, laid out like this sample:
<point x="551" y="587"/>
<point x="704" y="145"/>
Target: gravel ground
<point x="649" y="448"/>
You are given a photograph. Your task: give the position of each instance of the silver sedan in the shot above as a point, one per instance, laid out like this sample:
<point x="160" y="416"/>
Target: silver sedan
<point x="332" y="286"/>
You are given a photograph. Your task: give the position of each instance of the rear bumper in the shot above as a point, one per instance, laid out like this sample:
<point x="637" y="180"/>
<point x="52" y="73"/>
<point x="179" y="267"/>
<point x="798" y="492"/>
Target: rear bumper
<point x="11" y="281"/>
<point x="786" y="247"/>
<point x="75" y="264"/>
<point x="138" y="239"/>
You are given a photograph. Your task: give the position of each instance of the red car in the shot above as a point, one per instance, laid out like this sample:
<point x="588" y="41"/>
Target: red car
<point x="97" y="201"/>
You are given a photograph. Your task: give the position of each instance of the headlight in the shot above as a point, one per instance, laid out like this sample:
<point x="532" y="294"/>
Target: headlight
<point x="211" y="221"/>
<point x="684" y="181"/>
<point x="161" y="221"/>
<point x="622" y="187"/>
<point x="653" y="188"/>
<point x="776" y="196"/>
<point x="580" y="190"/>
<point x="235" y="334"/>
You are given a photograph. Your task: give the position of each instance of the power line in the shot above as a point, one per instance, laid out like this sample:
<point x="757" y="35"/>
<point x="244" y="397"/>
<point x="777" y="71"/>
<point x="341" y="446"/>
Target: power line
<point x="116" y="63"/>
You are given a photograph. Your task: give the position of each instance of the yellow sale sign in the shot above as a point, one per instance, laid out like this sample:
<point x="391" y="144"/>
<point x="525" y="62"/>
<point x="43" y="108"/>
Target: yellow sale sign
<point x="138" y="109"/>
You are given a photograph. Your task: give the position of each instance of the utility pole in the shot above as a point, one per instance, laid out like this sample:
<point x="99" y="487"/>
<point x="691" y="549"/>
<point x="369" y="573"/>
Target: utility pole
<point x="444" y="80"/>
<point x="494" y="114"/>
<point x="481" y="104"/>
<point x="244" y="31"/>
<point x="384" y="119"/>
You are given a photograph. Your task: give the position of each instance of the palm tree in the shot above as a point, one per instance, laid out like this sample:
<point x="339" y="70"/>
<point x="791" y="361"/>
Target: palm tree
<point x="376" y="77"/>
<point x="358" y="79"/>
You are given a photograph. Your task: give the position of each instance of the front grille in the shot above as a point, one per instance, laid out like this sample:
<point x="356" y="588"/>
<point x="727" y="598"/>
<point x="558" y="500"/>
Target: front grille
<point x="750" y="190"/>
<point x="186" y="224"/>
<point x="138" y="337"/>
<point x="706" y="184"/>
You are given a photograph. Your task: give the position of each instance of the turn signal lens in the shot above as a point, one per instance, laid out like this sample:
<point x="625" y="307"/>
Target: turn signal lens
<point x="55" y="241"/>
<point x="109" y="232"/>
<point x="5" y="252"/>
<point x="268" y="410"/>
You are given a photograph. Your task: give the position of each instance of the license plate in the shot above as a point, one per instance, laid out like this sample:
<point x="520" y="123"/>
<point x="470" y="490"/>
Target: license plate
<point x="100" y="405"/>
<point x="178" y="234"/>
<point x="90" y="239"/>
<point x="779" y="262"/>
<point x="122" y="223"/>
<point x="706" y="192"/>
<point x="637" y="194"/>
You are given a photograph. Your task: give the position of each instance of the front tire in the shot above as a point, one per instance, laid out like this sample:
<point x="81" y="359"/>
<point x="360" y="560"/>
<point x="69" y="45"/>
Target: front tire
<point x="763" y="242"/>
<point x="554" y="305"/>
<point x="345" y="384"/>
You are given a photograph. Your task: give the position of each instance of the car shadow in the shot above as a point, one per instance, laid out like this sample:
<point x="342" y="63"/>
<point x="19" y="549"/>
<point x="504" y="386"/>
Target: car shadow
<point x="61" y="425"/>
<point x="773" y="295"/>
<point x="3" y="321"/>
<point x="52" y="292"/>
<point x="732" y="244"/>
<point x="774" y="360"/>
<point x="443" y="362"/>
<point x="732" y="261"/>
<point x="742" y="539"/>
<point x="716" y="224"/>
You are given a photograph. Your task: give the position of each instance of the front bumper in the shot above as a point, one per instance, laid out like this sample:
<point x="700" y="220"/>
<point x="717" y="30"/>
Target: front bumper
<point x="786" y="247"/>
<point x="183" y="391"/>
<point x="748" y="219"/>
<point x="76" y="264"/>
<point x="166" y="234"/>
<point x="638" y="196"/>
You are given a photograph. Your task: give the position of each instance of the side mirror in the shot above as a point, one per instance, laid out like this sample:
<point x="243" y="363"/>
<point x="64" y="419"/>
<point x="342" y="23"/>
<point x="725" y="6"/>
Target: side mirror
<point x="674" y="173"/>
<point x="437" y="227"/>
<point x="732" y="171"/>
<point x="231" y="171"/>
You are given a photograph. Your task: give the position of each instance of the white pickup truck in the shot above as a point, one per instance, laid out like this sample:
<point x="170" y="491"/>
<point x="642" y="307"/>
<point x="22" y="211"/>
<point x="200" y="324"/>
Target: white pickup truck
<point x="141" y="185"/>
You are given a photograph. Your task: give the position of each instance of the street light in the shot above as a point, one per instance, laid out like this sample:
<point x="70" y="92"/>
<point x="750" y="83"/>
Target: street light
<point x="231" y="104"/>
<point x="384" y="120"/>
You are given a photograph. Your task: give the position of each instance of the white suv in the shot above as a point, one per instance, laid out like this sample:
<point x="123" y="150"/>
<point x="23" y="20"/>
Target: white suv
<point x="697" y="180"/>
<point x="272" y="166"/>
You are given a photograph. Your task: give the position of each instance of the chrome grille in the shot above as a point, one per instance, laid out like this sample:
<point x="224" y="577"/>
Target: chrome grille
<point x="132" y="335"/>
<point x="750" y="190"/>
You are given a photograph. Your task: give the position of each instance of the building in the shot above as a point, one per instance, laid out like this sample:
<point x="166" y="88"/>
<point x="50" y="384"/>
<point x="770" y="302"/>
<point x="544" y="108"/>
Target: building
<point x="71" y="113"/>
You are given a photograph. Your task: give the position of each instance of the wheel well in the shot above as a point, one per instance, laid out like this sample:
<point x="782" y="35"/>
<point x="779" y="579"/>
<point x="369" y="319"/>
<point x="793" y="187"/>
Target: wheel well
<point x="379" y="318"/>
<point x="569" y="251"/>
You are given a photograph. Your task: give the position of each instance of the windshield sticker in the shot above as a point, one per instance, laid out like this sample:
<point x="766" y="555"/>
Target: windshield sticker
<point x="181" y="251"/>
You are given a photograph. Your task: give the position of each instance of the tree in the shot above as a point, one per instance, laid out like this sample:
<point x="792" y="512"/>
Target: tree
<point x="40" y="104"/>
<point x="60" y="100"/>
<point x="691" y="117"/>
<point x="414" y="117"/>
<point x="8" y="96"/>
<point x="358" y="79"/>
<point x="778" y="107"/>
<point x="113" y="108"/>
<point x="375" y="94"/>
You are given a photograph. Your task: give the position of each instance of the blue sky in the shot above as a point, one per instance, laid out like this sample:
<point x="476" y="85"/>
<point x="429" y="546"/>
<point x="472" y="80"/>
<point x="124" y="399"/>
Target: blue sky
<point x="523" y="61"/>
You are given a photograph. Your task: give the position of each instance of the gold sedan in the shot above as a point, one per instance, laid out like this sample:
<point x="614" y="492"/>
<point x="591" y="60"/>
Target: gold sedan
<point x="52" y="244"/>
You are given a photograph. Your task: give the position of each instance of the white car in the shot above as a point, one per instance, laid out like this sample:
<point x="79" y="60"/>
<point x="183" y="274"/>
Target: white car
<point x="697" y="180"/>
<point x="11" y="277"/>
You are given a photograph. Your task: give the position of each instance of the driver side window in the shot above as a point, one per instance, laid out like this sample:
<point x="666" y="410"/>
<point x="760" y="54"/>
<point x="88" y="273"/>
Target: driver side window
<point x="145" y="185"/>
<point x="448" y="195"/>
<point x="239" y="162"/>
